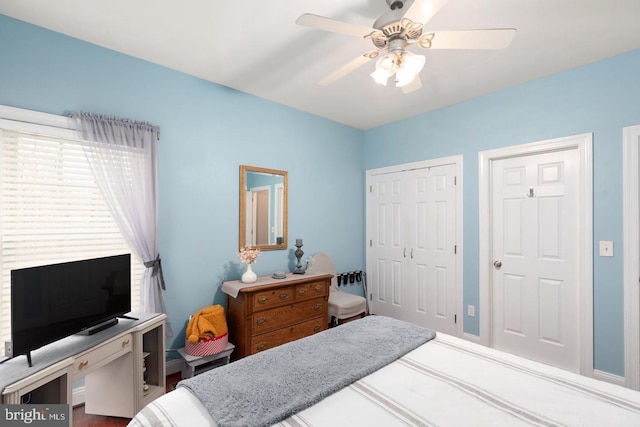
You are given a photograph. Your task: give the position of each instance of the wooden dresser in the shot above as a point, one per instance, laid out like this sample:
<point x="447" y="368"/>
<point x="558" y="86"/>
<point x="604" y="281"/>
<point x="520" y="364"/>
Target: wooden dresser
<point x="271" y="312"/>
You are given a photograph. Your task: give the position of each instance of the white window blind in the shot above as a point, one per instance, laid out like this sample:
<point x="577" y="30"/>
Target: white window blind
<point x="51" y="211"/>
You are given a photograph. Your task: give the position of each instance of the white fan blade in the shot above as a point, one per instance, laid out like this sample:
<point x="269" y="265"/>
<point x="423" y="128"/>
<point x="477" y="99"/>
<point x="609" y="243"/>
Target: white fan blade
<point x="328" y="24"/>
<point x="421" y="11"/>
<point x="348" y="67"/>
<point x="473" y="39"/>
<point x="413" y="86"/>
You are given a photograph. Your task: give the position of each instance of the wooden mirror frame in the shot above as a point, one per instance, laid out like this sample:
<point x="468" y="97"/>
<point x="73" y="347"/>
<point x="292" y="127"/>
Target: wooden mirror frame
<point x="243" y="215"/>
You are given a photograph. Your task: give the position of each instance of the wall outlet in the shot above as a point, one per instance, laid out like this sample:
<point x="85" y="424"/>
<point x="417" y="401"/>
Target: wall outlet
<point x="606" y="248"/>
<point x="471" y="310"/>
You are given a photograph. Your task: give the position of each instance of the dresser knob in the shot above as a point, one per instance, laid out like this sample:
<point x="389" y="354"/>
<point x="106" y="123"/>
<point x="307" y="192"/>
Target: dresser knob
<point x="261" y="321"/>
<point x="317" y="328"/>
<point x="284" y="295"/>
<point x="319" y="288"/>
<point x="261" y="346"/>
<point x="302" y="291"/>
<point x="84" y="363"/>
<point x="317" y="307"/>
<point x="263" y="300"/>
<point x="125" y="342"/>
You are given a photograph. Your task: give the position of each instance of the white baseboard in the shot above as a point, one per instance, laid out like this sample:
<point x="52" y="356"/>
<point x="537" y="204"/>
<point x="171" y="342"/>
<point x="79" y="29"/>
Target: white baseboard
<point x="471" y="337"/>
<point x="77" y="396"/>
<point x="174" y="366"/>
<point x="609" y="378"/>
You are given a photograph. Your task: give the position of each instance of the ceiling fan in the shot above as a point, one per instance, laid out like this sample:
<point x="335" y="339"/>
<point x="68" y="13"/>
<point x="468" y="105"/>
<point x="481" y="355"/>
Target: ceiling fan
<point x="397" y="30"/>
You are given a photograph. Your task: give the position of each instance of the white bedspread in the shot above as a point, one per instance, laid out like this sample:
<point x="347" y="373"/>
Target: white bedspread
<point x="451" y="382"/>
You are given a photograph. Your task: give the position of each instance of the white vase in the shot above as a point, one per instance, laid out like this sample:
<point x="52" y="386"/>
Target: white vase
<point x="249" y="276"/>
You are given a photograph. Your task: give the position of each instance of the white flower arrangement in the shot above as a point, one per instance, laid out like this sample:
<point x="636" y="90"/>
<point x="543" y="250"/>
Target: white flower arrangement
<point x="248" y="255"/>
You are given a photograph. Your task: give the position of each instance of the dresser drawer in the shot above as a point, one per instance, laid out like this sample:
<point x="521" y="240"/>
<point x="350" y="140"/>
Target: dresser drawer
<point x="278" y="317"/>
<point x="100" y="356"/>
<point x="281" y="336"/>
<point x="272" y="298"/>
<point x="311" y="290"/>
<point x="281" y="308"/>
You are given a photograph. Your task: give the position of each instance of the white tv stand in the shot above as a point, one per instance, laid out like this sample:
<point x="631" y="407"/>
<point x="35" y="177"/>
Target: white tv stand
<point x="111" y="362"/>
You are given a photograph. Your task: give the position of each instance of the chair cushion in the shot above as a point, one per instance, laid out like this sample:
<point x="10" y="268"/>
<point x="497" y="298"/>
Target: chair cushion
<point x="344" y="305"/>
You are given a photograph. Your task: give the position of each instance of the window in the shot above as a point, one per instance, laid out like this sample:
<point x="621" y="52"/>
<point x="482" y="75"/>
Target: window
<point x="51" y="209"/>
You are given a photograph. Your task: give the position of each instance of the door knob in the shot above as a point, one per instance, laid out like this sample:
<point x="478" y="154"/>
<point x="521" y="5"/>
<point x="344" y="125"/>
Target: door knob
<point x="497" y="263"/>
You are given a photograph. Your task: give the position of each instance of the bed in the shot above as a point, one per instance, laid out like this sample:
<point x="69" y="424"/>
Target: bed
<point x="379" y="371"/>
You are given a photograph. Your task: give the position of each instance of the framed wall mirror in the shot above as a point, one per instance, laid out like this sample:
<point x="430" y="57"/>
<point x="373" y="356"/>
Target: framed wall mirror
<point x="263" y="208"/>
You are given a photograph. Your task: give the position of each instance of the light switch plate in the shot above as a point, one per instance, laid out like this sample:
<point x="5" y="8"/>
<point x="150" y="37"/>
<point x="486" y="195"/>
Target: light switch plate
<point x="606" y="248"/>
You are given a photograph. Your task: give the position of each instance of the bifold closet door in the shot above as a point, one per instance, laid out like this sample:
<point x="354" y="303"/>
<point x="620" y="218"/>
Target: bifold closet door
<point x="413" y="246"/>
<point x="387" y="295"/>
<point x="431" y="258"/>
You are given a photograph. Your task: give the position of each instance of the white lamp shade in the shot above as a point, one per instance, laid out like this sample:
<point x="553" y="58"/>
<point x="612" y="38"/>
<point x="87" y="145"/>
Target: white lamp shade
<point x="385" y="67"/>
<point x="405" y="66"/>
<point x="387" y="62"/>
<point x="411" y="65"/>
<point x="380" y="76"/>
<point x="413" y="62"/>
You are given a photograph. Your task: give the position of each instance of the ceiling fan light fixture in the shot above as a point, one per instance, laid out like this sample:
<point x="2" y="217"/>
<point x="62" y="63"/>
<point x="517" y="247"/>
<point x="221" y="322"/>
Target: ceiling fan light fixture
<point x="400" y="28"/>
<point x="409" y="67"/>
<point x="412" y="62"/>
<point x="387" y="63"/>
<point x="404" y="77"/>
<point x="380" y="76"/>
<point x="386" y="66"/>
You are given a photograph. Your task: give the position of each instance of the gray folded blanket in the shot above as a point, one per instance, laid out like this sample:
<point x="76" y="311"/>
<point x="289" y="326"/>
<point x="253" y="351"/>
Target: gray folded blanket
<point x="270" y="386"/>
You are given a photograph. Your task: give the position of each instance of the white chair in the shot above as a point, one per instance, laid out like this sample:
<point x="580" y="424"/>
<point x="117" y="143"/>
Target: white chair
<point x="342" y="305"/>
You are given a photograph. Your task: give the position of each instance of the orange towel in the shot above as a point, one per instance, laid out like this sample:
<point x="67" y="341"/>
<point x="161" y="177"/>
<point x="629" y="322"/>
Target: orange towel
<point x="210" y="322"/>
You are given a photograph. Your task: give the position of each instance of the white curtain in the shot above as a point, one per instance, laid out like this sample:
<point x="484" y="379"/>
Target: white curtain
<point x="123" y="155"/>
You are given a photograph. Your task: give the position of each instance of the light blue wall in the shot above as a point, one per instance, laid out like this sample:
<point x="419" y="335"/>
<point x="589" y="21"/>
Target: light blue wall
<point x="601" y="98"/>
<point x="207" y="131"/>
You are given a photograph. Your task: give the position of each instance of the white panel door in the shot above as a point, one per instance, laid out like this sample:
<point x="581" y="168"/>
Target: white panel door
<point x="385" y="276"/>
<point x="412" y="227"/>
<point x="431" y="242"/>
<point x="631" y="254"/>
<point x="535" y="294"/>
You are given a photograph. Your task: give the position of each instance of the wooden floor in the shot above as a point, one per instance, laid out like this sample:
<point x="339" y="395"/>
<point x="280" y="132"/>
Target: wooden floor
<point x="80" y="419"/>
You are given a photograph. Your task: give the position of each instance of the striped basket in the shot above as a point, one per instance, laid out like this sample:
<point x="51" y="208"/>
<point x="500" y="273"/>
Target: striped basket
<point x="207" y="347"/>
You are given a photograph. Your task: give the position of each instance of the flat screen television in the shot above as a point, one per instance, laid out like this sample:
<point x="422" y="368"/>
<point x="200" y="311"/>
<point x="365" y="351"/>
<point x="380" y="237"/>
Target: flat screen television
<point x="50" y="302"/>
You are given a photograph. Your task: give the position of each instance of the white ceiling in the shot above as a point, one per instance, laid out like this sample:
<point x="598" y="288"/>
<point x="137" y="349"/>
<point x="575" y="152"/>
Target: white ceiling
<point x="255" y="46"/>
